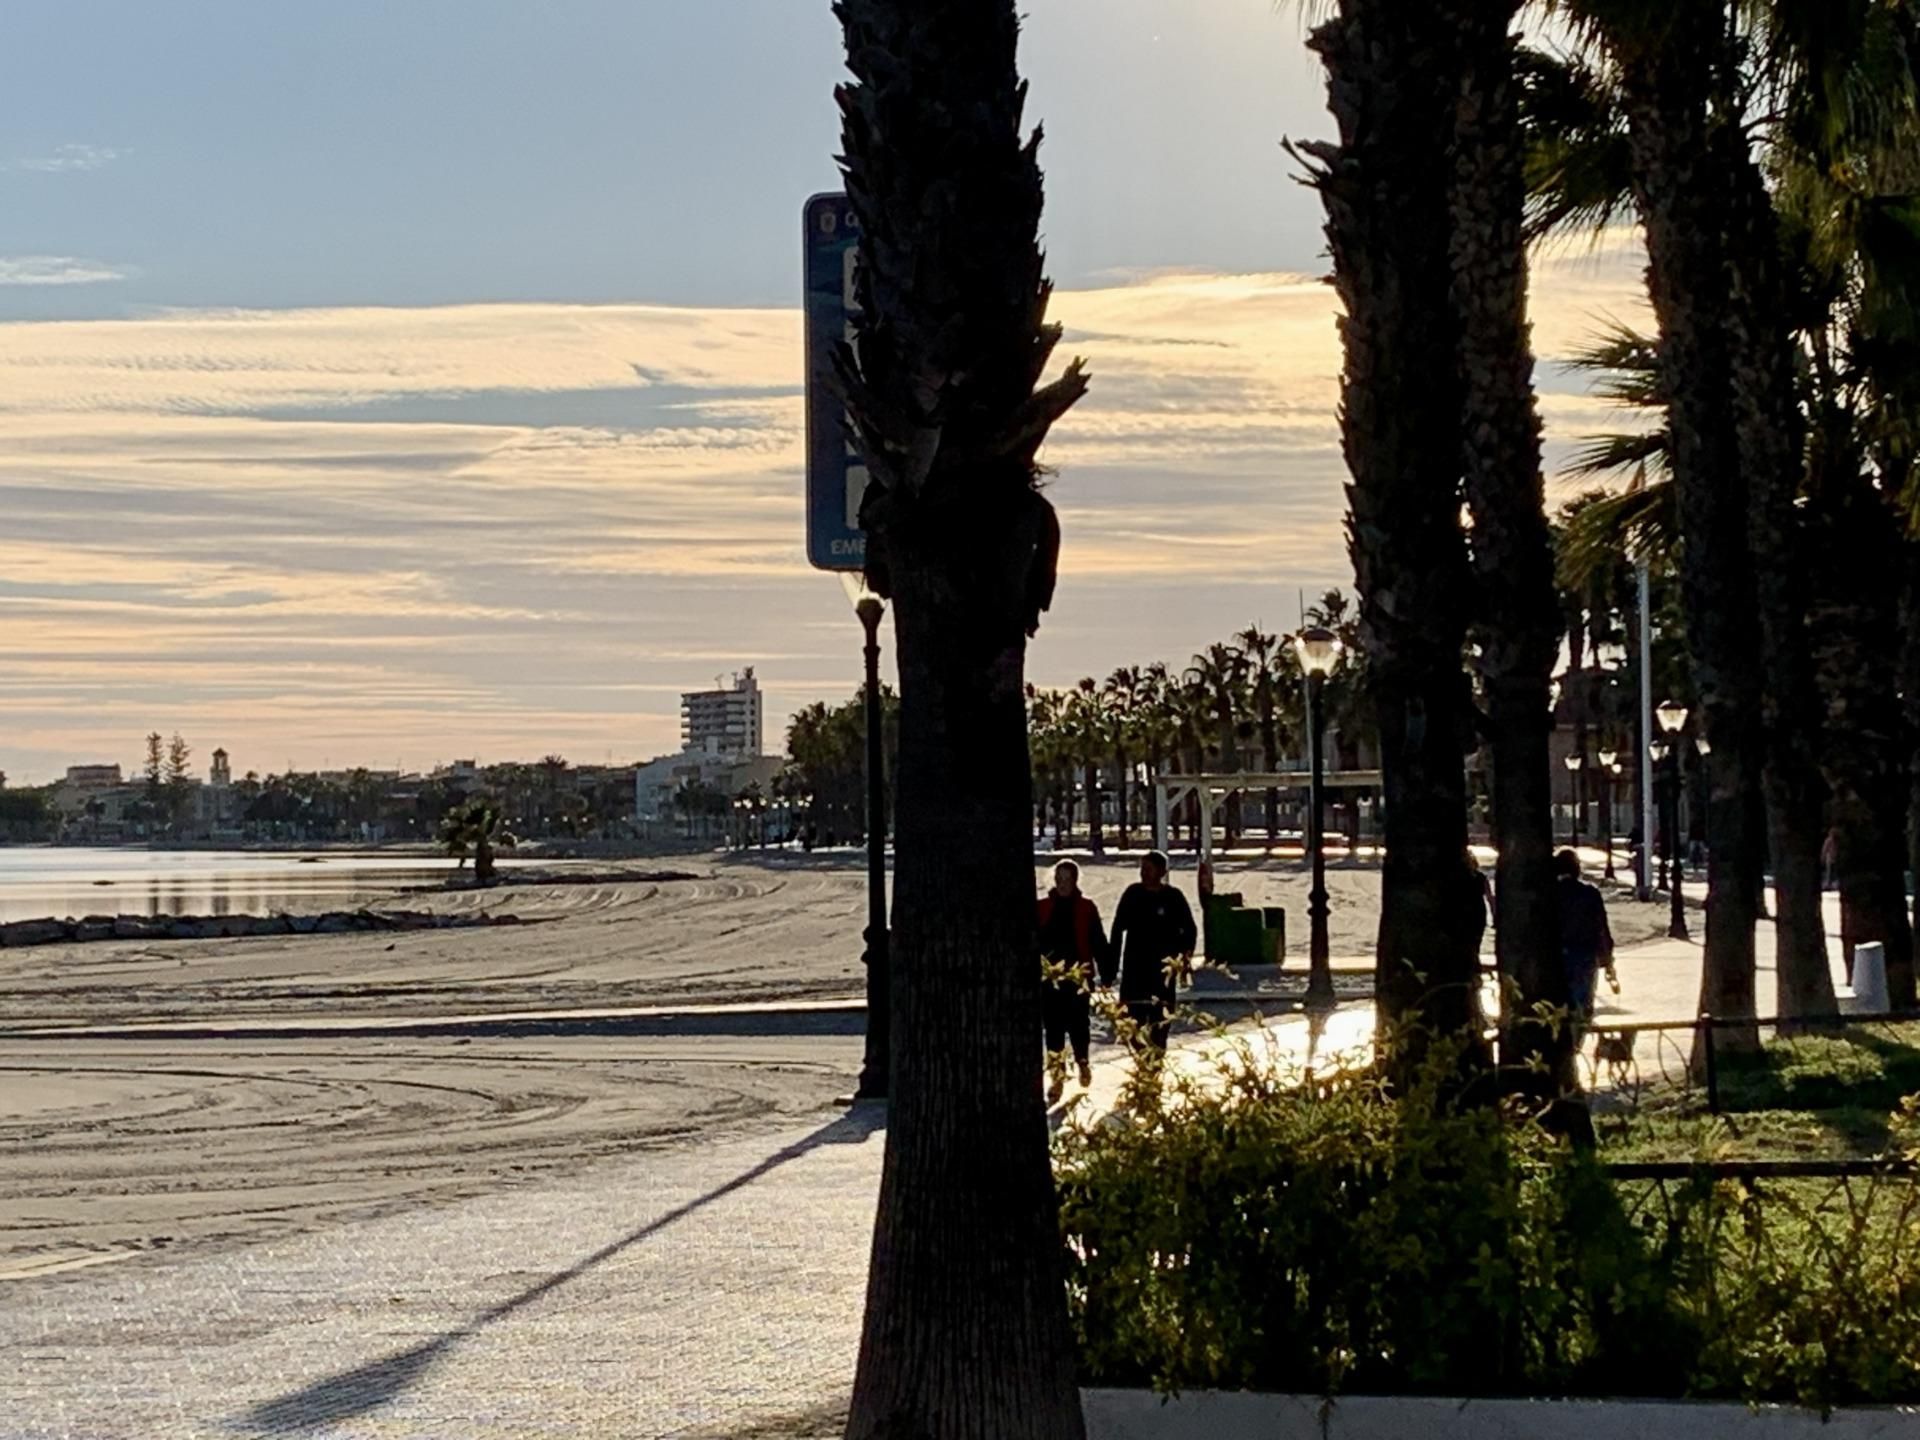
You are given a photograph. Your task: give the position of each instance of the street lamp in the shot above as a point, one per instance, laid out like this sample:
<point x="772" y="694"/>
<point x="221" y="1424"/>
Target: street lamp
<point x="875" y="1064"/>
<point x="1574" y="762"/>
<point x="1318" y="651"/>
<point x="1673" y="719"/>
<point x="1609" y="771"/>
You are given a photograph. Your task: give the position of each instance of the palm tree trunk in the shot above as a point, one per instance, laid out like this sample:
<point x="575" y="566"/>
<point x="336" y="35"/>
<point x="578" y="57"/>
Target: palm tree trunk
<point x="966" y="1330"/>
<point x="1385" y="189"/>
<point x="1910" y="695"/>
<point x="1665" y="84"/>
<point x="1766" y="411"/>
<point x="1864" y="747"/>
<point x="1091" y="779"/>
<point x="1270" y="746"/>
<point x="1125" y="795"/>
<point x="1518" y="629"/>
<point x="966" y="1207"/>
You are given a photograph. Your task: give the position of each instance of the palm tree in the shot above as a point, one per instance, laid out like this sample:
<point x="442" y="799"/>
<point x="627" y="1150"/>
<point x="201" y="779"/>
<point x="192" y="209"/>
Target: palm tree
<point x="476" y="829"/>
<point x="1258" y="652"/>
<point x="1835" y="88"/>
<point x="1514" y="633"/>
<point x="1123" y="698"/>
<point x="1087" y="710"/>
<point x="1386" y="187"/>
<point x="1218" y="674"/>
<point x="966" y="1324"/>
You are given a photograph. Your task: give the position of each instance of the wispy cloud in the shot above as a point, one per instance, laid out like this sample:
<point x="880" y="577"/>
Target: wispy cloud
<point x="64" y="159"/>
<point x="401" y="534"/>
<point x="55" y="270"/>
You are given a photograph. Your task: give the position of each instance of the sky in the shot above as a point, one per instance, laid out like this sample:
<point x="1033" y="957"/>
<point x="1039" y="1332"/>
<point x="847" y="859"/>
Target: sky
<point x="386" y="384"/>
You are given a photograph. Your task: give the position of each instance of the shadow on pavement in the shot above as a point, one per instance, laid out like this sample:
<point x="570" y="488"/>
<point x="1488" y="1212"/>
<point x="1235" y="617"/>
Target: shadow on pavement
<point x="365" y="1388"/>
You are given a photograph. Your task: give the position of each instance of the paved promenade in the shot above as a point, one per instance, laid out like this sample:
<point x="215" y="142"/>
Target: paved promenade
<point x="702" y="1290"/>
<point x="692" y="1291"/>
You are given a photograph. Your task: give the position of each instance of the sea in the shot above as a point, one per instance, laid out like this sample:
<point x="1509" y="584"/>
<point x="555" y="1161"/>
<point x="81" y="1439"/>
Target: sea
<point x="76" y="880"/>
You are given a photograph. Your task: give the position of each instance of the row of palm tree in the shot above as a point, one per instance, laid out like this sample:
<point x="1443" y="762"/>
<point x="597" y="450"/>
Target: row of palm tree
<point x="1237" y="706"/>
<point x="1767" y="149"/>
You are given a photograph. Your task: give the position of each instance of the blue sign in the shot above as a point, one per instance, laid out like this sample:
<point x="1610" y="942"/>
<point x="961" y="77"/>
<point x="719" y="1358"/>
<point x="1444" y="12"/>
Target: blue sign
<point x="836" y="476"/>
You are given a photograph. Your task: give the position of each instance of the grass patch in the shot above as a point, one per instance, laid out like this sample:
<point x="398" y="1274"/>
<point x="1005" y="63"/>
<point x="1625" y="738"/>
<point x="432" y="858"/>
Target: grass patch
<point x="1826" y="1096"/>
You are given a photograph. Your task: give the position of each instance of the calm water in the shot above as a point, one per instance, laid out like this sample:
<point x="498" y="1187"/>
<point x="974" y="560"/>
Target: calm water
<point x="72" y="880"/>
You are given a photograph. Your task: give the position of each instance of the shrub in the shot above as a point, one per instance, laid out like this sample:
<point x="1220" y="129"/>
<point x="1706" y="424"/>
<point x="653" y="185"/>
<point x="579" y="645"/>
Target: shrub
<point x="1254" y="1232"/>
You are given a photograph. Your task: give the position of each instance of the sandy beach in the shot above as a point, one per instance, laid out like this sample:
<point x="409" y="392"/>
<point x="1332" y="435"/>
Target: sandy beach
<point x="110" y="1149"/>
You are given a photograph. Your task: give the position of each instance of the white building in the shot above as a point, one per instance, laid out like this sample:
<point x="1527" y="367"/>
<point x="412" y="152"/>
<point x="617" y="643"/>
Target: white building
<point x="723" y="722"/>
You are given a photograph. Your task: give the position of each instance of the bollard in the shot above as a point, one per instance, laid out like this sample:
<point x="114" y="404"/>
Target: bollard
<point x="1870" y="978"/>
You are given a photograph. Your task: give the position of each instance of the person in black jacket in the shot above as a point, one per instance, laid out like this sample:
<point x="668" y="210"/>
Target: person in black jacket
<point x="1153" y="939"/>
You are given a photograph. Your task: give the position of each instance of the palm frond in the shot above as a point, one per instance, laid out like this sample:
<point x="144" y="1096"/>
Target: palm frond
<point x="1600" y="530"/>
<point x="1578" y="167"/>
<point x="1609" y="454"/>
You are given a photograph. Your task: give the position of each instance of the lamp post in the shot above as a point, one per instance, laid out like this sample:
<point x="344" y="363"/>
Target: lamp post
<point x="1574" y="762"/>
<point x="1318" y="651"/>
<point x="1657" y="752"/>
<point x="1609" y="769"/>
<point x="875" y="1065"/>
<point x="1673" y="718"/>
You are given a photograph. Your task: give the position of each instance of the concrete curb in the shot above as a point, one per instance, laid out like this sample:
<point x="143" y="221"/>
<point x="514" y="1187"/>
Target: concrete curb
<point x="798" y="1017"/>
<point x="1142" y="1415"/>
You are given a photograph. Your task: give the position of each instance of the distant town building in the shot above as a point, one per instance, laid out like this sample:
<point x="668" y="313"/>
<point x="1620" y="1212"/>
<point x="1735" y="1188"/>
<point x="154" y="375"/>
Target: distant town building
<point x="723" y="722"/>
<point x="220" y="773"/>
<point x="93" y="777"/>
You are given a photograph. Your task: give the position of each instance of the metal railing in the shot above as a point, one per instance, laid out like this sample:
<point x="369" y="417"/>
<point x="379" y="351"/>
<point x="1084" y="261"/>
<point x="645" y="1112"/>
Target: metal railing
<point x="1627" y="1060"/>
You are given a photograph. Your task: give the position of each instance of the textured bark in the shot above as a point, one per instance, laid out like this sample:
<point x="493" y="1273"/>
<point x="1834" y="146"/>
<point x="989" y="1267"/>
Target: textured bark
<point x="1909" y="653"/>
<point x="1864" y="747"/>
<point x="1665" y="80"/>
<point x="1771" y="447"/>
<point x="966" y="1334"/>
<point x="1385" y="187"/>
<point x="1517" y="622"/>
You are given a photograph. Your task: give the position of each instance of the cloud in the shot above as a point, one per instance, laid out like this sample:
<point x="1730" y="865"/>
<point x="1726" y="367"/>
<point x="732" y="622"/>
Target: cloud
<point x="65" y="159"/>
<point x="385" y="534"/>
<point x="55" y="270"/>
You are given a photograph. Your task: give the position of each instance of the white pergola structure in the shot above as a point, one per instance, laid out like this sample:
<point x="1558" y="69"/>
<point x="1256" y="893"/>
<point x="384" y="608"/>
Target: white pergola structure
<point x="1213" y="789"/>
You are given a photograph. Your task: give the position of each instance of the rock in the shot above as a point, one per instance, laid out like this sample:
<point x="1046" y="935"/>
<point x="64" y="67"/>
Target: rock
<point x="95" y="927"/>
<point x="33" y="932"/>
<point x="334" y="922"/>
<point x="303" y="924"/>
<point x="195" y="927"/>
<point x="270" y="925"/>
<point x="140" y="927"/>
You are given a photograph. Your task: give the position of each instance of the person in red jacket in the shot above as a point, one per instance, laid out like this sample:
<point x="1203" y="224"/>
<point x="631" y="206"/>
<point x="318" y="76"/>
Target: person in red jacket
<point x="1070" y="935"/>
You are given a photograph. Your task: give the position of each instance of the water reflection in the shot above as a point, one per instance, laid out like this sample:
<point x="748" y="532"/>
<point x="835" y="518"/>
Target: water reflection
<point x="77" y="882"/>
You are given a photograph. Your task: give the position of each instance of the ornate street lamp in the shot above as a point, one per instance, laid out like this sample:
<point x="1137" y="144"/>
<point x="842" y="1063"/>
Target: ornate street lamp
<point x="1573" y="763"/>
<point x="1673" y="719"/>
<point x="1609" y="772"/>
<point x="875" y="1065"/>
<point x="1318" y="651"/>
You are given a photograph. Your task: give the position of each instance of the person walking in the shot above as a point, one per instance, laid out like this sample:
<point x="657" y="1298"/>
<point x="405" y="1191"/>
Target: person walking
<point x="1586" y="940"/>
<point x="1153" y="939"/>
<point x="1071" y="937"/>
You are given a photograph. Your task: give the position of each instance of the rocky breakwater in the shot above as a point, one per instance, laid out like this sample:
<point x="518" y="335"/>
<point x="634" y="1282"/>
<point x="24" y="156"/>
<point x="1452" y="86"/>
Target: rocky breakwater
<point x="214" y="927"/>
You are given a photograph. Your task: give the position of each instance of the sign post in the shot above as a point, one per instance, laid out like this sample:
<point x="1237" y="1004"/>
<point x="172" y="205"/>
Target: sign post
<point x="836" y="478"/>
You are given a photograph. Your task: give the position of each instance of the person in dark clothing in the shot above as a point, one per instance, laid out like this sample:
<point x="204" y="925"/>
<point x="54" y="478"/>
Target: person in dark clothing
<point x="1070" y="935"/>
<point x="1586" y="940"/>
<point x="1153" y="939"/>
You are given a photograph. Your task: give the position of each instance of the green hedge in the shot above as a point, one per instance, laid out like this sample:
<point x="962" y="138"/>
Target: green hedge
<point x="1252" y="1233"/>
